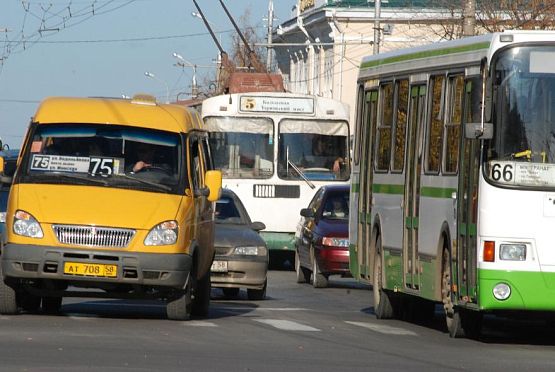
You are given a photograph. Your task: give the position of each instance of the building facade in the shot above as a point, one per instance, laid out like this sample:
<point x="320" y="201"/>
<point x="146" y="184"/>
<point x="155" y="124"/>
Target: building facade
<point x="324" y="42"/>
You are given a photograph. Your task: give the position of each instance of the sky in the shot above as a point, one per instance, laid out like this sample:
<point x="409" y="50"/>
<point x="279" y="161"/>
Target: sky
<point x="91" y="48"/>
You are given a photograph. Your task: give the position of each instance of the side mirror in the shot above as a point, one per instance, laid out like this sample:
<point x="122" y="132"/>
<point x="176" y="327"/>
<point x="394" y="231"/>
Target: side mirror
<point x="307" y="212"/>
<point x="257" y="226"/>
<point x="474" y="130"/>
<point x="213" y="180"/>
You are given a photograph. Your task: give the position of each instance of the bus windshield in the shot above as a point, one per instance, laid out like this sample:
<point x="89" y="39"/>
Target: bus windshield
<point x="242" y="147"/>
<point x="100" y="155"/>
<point x="522" y="152"/>
<point x="316" y="150"/>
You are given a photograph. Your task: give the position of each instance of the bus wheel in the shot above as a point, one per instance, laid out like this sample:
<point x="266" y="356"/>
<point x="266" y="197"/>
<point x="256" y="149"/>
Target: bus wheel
<point x="8" y="302"/>
<point x="303" y="274"/>
<point x="319" y="280"/>
<point x="383" y="307"/>
<point x="452" y="316"/>
<point x="179" y="308"/>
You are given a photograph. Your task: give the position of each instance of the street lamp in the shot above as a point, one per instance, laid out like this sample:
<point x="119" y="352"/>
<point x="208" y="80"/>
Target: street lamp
<point x="182" y="62"/>
<point x="152" y="76"/>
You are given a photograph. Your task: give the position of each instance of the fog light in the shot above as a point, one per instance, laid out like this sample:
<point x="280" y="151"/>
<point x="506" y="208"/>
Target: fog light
<point x="501" y="291"/>
<point x="512" y="252"/>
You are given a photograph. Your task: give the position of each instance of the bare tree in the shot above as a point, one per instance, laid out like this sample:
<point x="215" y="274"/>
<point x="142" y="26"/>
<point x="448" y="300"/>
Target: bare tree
<point x="238" y="52"/>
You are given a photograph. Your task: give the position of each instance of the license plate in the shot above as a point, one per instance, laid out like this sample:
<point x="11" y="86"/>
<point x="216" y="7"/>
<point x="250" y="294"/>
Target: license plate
<point x="219" y="266"/>
<point x="86" y="269"/>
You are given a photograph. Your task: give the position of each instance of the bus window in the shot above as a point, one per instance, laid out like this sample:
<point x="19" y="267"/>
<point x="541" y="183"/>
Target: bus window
<point x="435" y="131"/>
<point x="400" y="125"/>
<point x="453" y="123"/>
<point x="384" y="128"/>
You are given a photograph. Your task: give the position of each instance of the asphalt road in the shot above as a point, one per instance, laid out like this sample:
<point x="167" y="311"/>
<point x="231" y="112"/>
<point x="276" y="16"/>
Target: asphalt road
<point x="298" y="328"/>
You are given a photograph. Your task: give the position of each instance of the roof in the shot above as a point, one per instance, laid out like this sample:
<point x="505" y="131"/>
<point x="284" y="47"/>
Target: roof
<point x="139" y="111"/>
<point x="386" y="3"/>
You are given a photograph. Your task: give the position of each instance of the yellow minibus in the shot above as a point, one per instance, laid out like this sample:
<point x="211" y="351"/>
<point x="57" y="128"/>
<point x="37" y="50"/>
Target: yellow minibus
<point x="112" y="198"/>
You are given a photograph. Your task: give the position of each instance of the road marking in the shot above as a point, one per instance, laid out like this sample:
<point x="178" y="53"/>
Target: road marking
<point x="287" y="325"/>
<point x="384" y="329"/>
<point x="199" y="323"/>
<point x="241" y="308"/>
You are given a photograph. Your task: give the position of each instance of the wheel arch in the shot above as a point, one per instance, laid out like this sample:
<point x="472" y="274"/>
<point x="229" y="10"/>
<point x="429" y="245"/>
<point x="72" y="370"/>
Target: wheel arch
<point x="444" y="243"/>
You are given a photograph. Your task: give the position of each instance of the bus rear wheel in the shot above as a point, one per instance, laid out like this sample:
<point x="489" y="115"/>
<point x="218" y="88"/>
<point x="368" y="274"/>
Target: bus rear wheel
<point x="383" y="306"/>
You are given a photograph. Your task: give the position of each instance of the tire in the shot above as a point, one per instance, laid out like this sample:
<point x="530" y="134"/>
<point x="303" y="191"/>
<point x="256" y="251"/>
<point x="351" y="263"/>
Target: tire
<point x="8" y="300"/>
<point x="28" y="302"/>
<point x="257" y="294"/>
<point x="303" y="274"/>
<point x="230" y="292"/>
<point x="319" y="280"/>
<point x="383" y="307"/>
<point x="453" y="319"/>
<point x="201" y="298"/>
<point x="179" y="308"/>
<point x="51" y="305"/>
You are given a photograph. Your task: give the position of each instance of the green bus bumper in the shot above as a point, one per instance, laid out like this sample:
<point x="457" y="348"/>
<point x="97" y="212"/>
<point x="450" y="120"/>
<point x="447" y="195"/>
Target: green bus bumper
<point x="277" y="241"/>
<point x="529" y="290"/>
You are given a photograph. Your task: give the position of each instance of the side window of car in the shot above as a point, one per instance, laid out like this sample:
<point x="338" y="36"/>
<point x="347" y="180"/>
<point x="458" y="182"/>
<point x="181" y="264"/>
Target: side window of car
<point x="316" y="200"/>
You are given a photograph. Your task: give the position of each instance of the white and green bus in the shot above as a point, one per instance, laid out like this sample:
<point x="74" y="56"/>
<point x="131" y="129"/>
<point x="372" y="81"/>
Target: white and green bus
<point x="453" y="185"/>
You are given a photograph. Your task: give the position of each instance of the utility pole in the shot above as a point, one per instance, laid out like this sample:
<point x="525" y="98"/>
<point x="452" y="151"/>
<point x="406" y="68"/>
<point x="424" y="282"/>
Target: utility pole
<point x="270" y="27"/>
<point x="469" y="17"/>
<point x="377" y="27"/>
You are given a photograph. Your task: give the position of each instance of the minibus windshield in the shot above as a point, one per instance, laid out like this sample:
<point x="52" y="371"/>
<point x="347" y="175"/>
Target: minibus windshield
<point x="100" y="155"/>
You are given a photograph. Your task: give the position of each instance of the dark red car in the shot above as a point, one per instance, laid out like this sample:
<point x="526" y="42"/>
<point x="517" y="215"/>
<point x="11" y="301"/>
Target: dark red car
<point x="322" y="237"/>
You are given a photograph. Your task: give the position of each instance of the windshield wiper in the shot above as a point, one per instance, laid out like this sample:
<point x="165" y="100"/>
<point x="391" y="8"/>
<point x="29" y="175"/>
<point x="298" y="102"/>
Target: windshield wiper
<point x="85" y="179"/>
<point x="145" y="182"/>
<point x="300" y="172"/>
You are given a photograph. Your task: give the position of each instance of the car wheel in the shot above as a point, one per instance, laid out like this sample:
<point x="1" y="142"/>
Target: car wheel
<point x="303" y="274"/>
<point x="27" y="301"/>
<point x="319" y="280"/>
<point x="383" y="306"/>
<point x="179" y="308"/>
<point x="201" y="300"/>
<point x="257" y="294"/>
<point x="8" y="301"/>
<point x="51" y="305"/>
<point x="230" y="292"/>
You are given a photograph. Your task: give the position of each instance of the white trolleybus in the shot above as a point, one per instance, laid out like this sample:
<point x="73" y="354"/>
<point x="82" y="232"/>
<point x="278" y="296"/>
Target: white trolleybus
<point x="275" y="150"/>
<point x="455" y="198"/>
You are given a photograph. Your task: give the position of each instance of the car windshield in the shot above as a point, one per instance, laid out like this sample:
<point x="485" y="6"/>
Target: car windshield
<point x="227" y="212"/>
<point x="242" y="147"/>
<point x="336" y="207"/>
<point x="316" y="150"/>
<point x="100" y="155"/>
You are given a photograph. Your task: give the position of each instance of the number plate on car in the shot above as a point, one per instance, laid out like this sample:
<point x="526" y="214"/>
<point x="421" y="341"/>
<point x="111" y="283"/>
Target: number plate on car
<point x="86" y="269"/>
<point x="219" y="266"/>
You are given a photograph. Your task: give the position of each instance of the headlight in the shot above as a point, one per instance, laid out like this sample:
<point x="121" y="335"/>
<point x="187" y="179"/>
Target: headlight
<point x="162" y="234"/>
<point x="335" y="242"/>
<point x="501" y="291"/>
<point x="512" y="252"/>
<point x="25" y="224"/>
<point x="250" y="251"/>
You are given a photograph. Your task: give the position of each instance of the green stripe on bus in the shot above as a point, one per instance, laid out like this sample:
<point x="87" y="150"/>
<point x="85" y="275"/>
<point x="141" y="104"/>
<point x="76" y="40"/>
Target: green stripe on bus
<point x="437" y="192"/>
<point x="388" y="189"/>
<point x="426" y="54"/>
<point x="411" y="222"/>
<point x="355" y="188"/>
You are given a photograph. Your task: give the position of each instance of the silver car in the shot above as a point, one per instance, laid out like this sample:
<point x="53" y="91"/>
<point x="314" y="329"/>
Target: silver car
<point x="241" y="259"/>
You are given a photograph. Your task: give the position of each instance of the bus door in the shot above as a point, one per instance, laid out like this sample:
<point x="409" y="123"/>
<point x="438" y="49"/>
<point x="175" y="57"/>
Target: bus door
<point x="467" y="197"/>
<point x="364" y="232"/>
<point x="412" y="185"/>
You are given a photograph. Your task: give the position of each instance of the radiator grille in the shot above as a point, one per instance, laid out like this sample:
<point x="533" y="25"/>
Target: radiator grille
<point x="92" y="236"/>
<point x="276" y="191"/>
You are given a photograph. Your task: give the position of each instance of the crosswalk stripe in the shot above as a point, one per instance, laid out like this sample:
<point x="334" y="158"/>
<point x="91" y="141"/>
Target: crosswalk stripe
<point x="383" y="329"/>
<point x="199" y="323"/>
<point x="287" y="325"/>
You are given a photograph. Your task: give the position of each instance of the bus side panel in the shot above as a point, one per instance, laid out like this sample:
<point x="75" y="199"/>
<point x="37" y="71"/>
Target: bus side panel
<point x="353" y="222"/>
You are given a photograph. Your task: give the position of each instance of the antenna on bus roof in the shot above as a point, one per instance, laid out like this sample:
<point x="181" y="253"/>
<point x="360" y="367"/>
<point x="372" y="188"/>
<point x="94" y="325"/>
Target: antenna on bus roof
<point x="255" y="63"/>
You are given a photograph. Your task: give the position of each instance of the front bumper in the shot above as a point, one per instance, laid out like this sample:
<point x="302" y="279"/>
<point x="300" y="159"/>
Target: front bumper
<point x="241" y="273"/>
<point x="47" y="262"/>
